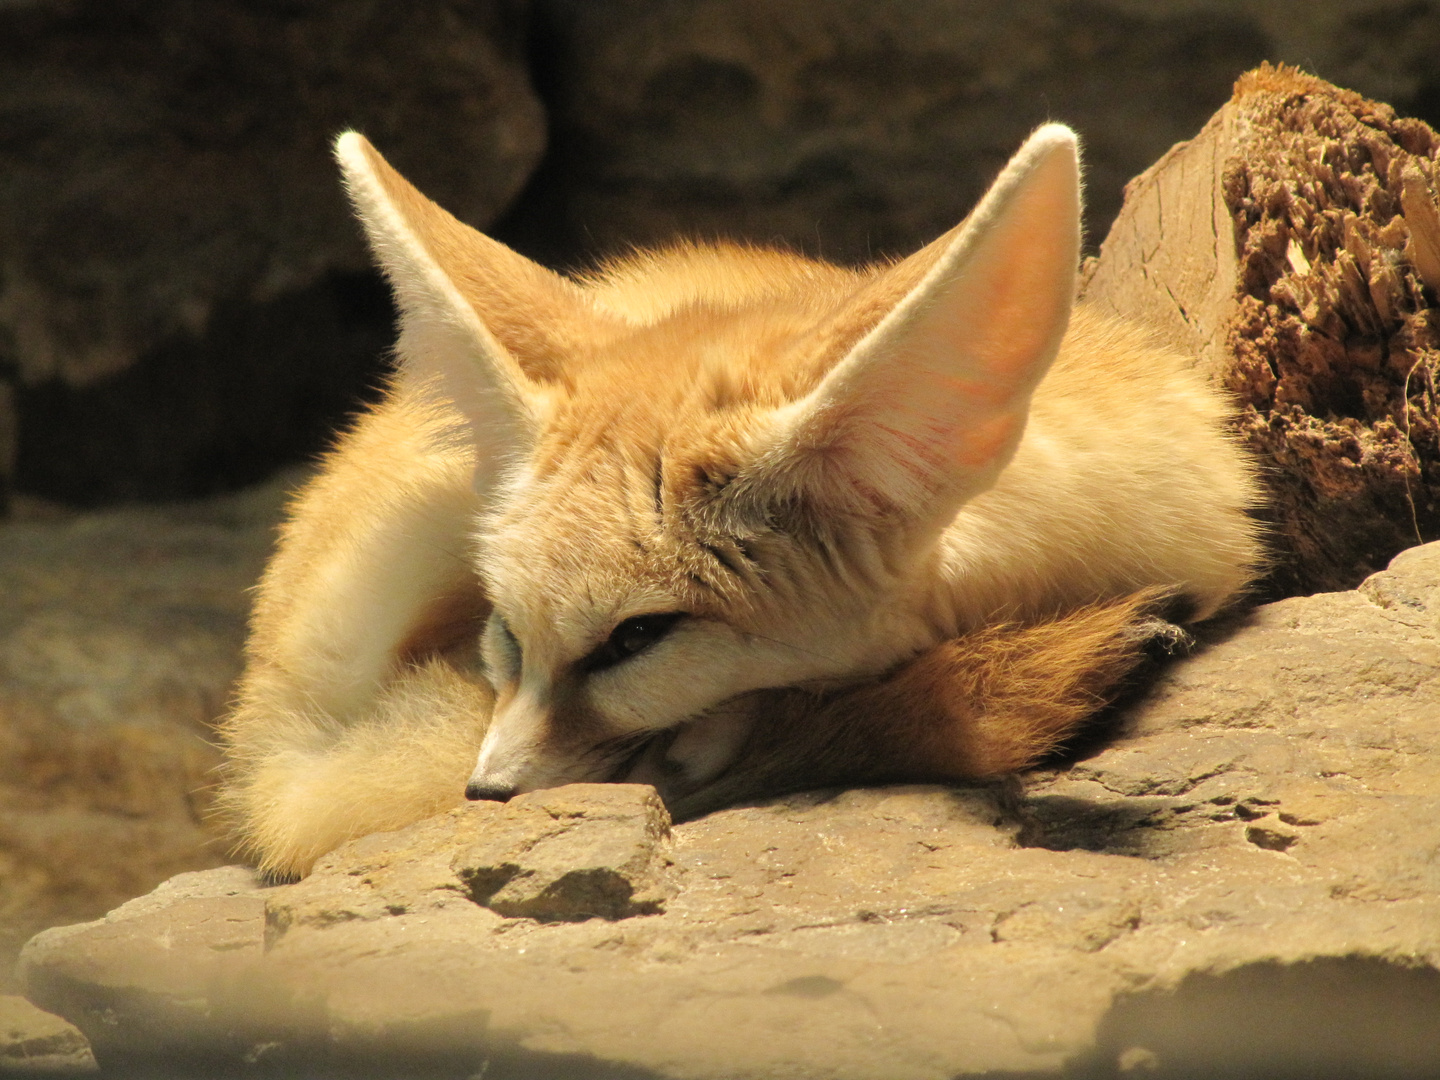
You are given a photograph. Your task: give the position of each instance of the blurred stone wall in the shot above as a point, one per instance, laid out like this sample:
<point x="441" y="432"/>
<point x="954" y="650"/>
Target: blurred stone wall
<point x="856" y="128"/>
<point x="184" y="301"/>
<point x="184" y="305"/>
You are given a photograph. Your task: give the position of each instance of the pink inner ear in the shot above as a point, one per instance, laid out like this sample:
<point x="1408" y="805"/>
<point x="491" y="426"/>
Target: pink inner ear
<point x="982" y="443"/>
<point x="1010" y="356"/>
<point x="987" y="393"/>
<point x="1011" y="300"/>
<point x="1008" y="294"/>
<point x="928" y="449"/>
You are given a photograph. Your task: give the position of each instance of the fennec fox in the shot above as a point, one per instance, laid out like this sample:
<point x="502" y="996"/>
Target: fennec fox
<point x="702" y="473"/>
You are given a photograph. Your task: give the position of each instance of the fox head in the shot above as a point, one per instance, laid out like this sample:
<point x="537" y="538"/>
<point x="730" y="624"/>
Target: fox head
<point x="714" y="470"/>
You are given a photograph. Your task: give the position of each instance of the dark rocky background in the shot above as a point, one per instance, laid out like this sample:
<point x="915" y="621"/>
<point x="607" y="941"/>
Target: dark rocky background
<point x="185" y="306"/>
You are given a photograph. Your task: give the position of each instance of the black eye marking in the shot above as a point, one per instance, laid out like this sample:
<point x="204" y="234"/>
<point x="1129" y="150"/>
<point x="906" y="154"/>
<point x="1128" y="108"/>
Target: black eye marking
<point x="510" y="639"/>
<point x="712" y="483"/>
<point x="719" y="556"/>
<point x="632" y="636"/>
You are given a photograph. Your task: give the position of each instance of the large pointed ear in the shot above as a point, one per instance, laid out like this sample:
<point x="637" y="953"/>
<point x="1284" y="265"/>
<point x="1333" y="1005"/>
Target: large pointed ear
<point x="484" y="325"/>
<point x="926" y="409"/>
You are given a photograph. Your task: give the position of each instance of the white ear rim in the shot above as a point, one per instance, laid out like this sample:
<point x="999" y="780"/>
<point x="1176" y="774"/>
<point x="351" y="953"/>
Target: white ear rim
<point x="1050" y="142"/>
<point x="443" y="344"/>
<point x="1052" y="147"/>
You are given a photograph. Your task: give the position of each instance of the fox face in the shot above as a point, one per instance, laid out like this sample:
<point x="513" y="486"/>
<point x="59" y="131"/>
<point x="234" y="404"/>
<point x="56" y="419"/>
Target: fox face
<point x="711" y="471"/>
<point x="674" y="599"/>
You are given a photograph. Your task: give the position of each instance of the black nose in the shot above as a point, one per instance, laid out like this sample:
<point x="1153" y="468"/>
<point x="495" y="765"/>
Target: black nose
<point x="476" y="791"/>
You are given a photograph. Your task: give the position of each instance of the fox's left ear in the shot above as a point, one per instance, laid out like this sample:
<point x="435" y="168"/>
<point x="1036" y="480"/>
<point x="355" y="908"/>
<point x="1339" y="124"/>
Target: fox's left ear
<point x="925" y="410"/>
<point x="482" y="324"/>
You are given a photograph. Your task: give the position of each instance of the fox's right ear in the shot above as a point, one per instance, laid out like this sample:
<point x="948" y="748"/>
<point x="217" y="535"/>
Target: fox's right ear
<point x="928" y="406"/>
<point x="480" y="322"/>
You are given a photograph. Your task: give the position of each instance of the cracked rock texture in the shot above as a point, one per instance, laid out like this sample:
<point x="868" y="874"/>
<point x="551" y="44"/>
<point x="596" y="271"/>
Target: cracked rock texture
<point x="1243" y="882"/>
<point x="36" y="1042"/>
<point x="120" y="634"/>
<point x="582" y="852"/>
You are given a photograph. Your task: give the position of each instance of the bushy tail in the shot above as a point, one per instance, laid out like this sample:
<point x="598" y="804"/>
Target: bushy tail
<point x="990" y="703"/>
<point x="975" y="707"/>
<point x="311" y="786"/>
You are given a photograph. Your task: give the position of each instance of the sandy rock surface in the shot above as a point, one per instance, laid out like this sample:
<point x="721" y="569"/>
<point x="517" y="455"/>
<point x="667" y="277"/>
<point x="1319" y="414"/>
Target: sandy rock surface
<point x="120" y="634"/>
<point x="1242" y="881"/>
<point x="36" y="1042"/>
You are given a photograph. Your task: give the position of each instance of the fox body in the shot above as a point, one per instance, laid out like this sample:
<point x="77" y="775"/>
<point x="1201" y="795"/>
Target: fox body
<point x="702" y="474"/>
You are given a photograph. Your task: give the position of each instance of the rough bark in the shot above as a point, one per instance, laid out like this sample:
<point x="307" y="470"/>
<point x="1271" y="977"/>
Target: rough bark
<point x="1293" y="246"/>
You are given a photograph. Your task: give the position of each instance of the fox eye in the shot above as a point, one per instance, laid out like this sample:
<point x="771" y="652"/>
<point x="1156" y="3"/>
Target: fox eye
<point x="501" y="648"/>
<point x="634" y="635"/>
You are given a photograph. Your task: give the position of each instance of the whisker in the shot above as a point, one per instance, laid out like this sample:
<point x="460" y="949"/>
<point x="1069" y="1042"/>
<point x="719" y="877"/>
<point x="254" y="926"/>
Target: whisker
<point x="701" y="582"/>
<point x="620" y="746"/>
<point x="616" y="757"/>
<point x="797" y="648"/>
<point x="719" y="556"/>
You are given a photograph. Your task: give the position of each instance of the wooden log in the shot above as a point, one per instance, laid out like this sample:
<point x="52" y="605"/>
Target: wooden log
<point x="1293" y="247"/>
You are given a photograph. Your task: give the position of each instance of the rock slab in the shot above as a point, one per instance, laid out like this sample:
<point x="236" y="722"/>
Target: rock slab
<point x="36" y="1043"/>
<point x="569" y="854"/>
<point x="120" y="634"/>
<point x="1244" y="881"/>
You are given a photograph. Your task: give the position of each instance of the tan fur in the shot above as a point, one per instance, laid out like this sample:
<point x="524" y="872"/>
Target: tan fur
<point x="830" y="472"/>
<point x="976" y="707"/>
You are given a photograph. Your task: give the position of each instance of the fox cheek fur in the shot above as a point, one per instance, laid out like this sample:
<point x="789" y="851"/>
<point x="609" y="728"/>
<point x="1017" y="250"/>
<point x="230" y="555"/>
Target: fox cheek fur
<point x="712" y="470"/>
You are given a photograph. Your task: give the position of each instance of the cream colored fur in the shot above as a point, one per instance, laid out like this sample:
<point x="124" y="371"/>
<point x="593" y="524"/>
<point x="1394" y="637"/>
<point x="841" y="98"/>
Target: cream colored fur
<point x="814" y="474"/>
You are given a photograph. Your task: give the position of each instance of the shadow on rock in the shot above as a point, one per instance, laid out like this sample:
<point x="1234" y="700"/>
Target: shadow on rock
<point x="1336" y="1017"/>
